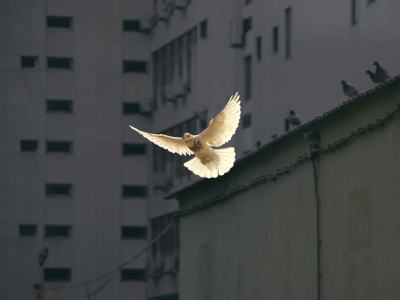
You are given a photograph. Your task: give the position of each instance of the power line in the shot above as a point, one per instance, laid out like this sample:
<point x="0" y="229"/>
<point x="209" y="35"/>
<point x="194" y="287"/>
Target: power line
<point x="69" y="286"/>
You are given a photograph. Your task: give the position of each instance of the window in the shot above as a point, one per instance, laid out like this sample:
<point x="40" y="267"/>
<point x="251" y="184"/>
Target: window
<point x="134" y="149"/>
<point x="130" y="108"/>
<point x="259" y="48"/>
<point x="59" y="147"/>
<point x="57" y="274"/>
<point x="189" y="59"/>
<point x="246" y="121"/>
<point x="29" y="61"/>
<point x="203" y="29"/>
<point x="27" y="230"/>
<point x="59" y="106"/>
<point x="29" y="146"/>
<point x="131" y="25"/>
<point x="171" y="61"/>
<point x="135" y="66"/>
<point x="133" y="274"/>
<point x="354" y="11"/>
<point x="52" y="231"/>
<point x="247" y="25"/>
<point x="59" y="22"/>
<point x="288" y="28"/>
<point x="247" y="1"/>
<point x="169" y="242"/>
<point x="275" y="39"/>
<point x="180" y="58"/>
<point x="371" y="1"/>
<point x="133" y="232"/>
<point x="247" y="77"/>
<point x="59" y="63"/>
<point x="155" y="78"/>
<point x="133" y="191"/>
<point x="57" y="189"/>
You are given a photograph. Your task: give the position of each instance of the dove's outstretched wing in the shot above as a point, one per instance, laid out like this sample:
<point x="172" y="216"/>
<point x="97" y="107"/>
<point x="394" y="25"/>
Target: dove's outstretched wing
<point x="223" y="127"/>
<point x="172" y="144"/>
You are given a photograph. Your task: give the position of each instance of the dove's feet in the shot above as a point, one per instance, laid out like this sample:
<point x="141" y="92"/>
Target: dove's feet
<point x="206" y="161"/>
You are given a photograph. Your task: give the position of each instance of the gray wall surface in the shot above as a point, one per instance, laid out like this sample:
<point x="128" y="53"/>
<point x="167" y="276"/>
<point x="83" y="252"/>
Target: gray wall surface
<point x="96" y="168"/>
<point x="262" y="242"/>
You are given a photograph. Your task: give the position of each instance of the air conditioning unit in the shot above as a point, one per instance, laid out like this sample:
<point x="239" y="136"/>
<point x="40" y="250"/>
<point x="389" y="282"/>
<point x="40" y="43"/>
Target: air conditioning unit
<point x="235" y="32"/>
<point x="146" y="106"/>
<point x="164" y="11"/>
<point x="146" y="24"/>
<point x="180" y="4"/>
<point x="179" y="88"/>
<point x="168" y="93"/>
<point x="248" y="43"/>
<point x="161" y="181"/>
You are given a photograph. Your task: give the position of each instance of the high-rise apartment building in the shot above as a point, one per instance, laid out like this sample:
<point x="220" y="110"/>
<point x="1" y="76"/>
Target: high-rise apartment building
<point x="74" y="75"/>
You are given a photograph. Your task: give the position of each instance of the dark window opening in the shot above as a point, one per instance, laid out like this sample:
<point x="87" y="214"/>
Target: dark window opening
<point x="130" y="108"/>
<point x="354" y="12"/>
<point x="288" y="28"/>
<point x="247" y="1"/>
<point x="59" y="147"/>
<point x="59" y="63"/>
<point x="155" y="79"/>
<point x="275" y="39"/>
<point x="247" y="75"/>
<point x="59" y="22"/>
<point x="133" y="191"/>
<point x="203" y="29"/>
<point x="180" y="58"/>
<point x="134" y="149"/>
<point x="133" y="274"/>
<point x="57" y="274"/>
<point x="29" y="146"/>
<point x="247" y="25"/>
<point x="259" y="48"/>
<point x="27" y="230"/>
<point x="246" y="121"/>
<point x="131" y="25"/>
<point x="51" y="231"/>
<point x="168" y="244"/>
<point x="135" y="66"/>
<point x="133" y="232"/>
<point x="56" y="189"/>
<point x="59" y="106"/>
<point x="29" y="61"/>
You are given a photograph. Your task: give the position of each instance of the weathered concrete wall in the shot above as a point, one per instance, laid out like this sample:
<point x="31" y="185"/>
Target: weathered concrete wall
<point x="262" y="243"/>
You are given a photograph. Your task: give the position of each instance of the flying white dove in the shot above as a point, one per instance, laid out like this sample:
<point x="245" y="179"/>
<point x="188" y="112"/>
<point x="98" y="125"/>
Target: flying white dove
<point x="208" y="162"/>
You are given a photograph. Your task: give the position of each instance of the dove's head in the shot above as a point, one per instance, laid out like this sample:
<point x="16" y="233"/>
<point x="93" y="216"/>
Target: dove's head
<point x="343" y="82"/>
<point x="376" y="64"/>
<point x="188" y="138"/>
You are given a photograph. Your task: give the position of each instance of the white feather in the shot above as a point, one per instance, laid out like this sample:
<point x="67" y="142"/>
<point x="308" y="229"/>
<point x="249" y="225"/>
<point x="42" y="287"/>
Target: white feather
<point x="222" y="162"/>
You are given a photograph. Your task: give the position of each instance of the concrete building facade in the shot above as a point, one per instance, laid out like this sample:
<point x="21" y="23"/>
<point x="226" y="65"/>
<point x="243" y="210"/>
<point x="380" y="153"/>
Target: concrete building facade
<point x="73" y="176"/>
<point x="281" y="225"/>
<point x="75" y="74"/>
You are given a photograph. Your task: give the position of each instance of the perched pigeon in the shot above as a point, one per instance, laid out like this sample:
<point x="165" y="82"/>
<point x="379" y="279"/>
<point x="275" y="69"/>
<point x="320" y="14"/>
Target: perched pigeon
<point x="348" y="89"/>
<point x="293" y="118"/>
<point x="372" y="75"/>
<point x="380" y="74"/>
<point x="208" y="162"/>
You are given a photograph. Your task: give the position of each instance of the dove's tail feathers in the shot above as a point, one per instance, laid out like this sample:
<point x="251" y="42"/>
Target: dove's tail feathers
<point x="222" y="162"/>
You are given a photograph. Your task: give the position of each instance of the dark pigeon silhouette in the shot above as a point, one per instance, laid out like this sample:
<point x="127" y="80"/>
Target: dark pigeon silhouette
<point x="372" y="76"/>
<point x="293" y="118"/>
<point x="380" y="74"/>
<point x="348" y="89"/>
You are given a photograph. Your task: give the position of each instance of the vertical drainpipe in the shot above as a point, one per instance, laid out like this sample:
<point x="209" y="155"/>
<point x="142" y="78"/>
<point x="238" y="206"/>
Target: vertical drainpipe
<point x="313" y="139"/>
<point x="318" y="224"/>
